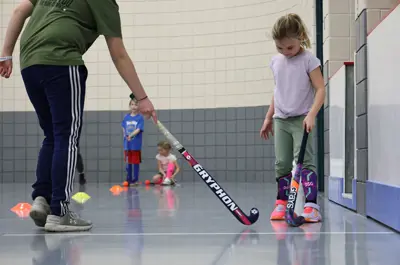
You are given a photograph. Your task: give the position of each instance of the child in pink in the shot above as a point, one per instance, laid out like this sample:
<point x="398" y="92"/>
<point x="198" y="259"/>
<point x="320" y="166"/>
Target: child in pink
<point x="167" y="165"/>
<point x="299" y="94"/>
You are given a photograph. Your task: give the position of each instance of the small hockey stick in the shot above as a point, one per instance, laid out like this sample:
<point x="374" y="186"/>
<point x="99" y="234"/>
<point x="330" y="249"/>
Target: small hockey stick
<point x="210" y="181"/>
<point x="294" y="187"/>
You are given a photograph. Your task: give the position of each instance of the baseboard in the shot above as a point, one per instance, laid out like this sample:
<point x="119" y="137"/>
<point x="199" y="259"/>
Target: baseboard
<point x="335" y="193"/>
<point x="382" y="204"/>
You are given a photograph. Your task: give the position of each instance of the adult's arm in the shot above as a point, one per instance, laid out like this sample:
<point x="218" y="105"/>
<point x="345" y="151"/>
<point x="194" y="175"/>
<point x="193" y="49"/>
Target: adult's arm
<point x="108" y="22"/>
<point x="124" y="66"/>
<point x="15" y="25"/>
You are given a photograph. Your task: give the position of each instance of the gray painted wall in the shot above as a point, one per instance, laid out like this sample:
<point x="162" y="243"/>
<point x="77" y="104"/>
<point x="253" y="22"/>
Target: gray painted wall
<point x="360" y="76"/>
<point x="225" y="141"/>
<point x="361" y="129"/>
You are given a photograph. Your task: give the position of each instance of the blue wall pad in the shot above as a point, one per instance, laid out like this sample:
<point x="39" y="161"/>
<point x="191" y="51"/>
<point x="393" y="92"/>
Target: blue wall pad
<point x="383" y="203"/>
<point x="336" y="191"/>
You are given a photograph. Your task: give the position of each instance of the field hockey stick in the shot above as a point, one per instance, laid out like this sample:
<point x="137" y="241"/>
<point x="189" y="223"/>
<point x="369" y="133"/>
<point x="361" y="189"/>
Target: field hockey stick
<point x="216" y="188"/>
<point x="294" y="187"/>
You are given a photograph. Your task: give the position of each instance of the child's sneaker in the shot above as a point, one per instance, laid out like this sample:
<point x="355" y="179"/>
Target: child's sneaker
<point x="39" y="211"/>
<point x="278" y="214"/>
<point x="131" y="184"/>
<point x="128" y="183"/>
<point x="70" y="222"/>
<point x="135" y="184"/>
<point x="312" y="213"/>
<point x="168" y="182"/>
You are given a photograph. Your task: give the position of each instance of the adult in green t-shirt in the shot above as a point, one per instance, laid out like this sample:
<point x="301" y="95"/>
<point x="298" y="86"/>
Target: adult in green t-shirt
<point x="58" y="33"/>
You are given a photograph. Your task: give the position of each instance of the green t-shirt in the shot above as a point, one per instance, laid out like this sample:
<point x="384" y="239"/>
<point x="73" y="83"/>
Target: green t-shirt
<point x="59" y="32"/>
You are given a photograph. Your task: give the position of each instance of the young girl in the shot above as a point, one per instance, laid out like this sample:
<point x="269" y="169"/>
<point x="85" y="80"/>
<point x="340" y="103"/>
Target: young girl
<point x="167" y="165"/>
<point x="294" y="107"/>
<point x="132" y="127"/>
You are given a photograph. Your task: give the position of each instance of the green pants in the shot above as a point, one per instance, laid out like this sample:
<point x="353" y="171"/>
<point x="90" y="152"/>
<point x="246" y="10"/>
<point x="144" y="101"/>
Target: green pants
<point x="288" y="134"/>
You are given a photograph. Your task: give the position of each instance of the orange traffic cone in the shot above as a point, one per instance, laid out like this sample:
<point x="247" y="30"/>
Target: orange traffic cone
<point x="22" y="209"/>
<point x="116" y="190"/>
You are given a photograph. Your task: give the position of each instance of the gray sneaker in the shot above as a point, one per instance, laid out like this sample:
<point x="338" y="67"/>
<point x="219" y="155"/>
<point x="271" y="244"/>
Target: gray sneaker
<point x="70" y="222"/>
<point x="39" y="211"/>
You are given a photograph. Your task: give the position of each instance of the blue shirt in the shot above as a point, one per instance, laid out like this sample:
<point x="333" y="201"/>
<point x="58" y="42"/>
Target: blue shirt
<point x="130" y="124"/>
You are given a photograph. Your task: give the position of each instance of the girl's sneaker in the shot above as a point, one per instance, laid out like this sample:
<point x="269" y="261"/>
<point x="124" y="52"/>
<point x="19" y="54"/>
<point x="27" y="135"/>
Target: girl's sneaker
<point x="278" y="214"/>
<point x="168" y="182"/>
<point x="312" y="213"/>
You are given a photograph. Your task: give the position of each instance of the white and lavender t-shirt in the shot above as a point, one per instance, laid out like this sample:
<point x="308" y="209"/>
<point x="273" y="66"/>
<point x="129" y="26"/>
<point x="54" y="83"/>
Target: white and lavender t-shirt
<point x="293" y="92"/>
<point x="165" y="160"/>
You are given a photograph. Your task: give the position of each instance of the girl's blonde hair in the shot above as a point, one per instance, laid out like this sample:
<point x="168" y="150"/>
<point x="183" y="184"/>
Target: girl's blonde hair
<point x="165" y="145"/>
<point x="291" y="26"/>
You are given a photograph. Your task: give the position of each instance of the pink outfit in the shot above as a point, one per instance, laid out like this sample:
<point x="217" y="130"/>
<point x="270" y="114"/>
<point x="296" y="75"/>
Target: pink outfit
<point x="166" y="160"/>
<point x="170" y="170"/>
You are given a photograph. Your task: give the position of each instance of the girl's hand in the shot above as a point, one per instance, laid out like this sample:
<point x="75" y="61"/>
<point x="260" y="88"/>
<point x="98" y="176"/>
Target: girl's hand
<point x="128" y="138"/>
<point x="266" y="129"/>
<point x="309" y="122"/>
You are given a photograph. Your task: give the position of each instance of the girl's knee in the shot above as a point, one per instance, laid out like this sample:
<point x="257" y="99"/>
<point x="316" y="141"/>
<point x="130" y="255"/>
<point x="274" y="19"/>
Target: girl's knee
<point x="156" y="177"/>
<point x="309" y="165"/>
<point x="283" y="168"/>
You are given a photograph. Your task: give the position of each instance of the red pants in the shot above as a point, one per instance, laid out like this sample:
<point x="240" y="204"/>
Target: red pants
<point x="133" y="156"/>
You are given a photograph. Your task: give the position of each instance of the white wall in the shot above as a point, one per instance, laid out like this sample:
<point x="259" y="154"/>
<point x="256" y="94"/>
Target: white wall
<point x="338" y="33"/>
<point x="337" y="104"/>
<point x="384" y="101"/>
<point x="190" y="54"/>
<point x="375" y="7"/>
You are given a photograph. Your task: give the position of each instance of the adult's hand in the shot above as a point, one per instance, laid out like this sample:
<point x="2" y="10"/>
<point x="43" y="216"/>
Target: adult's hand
<point x="6" y="68"/>
<point x="146" y="108"/>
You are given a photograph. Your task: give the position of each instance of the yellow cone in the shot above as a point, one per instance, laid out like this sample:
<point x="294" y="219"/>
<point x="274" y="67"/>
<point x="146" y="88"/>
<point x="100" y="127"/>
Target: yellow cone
<point x="81" y="197"/>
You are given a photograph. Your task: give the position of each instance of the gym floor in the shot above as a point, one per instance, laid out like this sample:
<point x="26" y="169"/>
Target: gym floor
<point x="187" y="225"/>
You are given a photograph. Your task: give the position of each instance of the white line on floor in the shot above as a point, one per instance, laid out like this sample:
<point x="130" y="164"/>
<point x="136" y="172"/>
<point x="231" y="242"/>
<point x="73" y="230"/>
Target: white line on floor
<point x="194" y="234"/>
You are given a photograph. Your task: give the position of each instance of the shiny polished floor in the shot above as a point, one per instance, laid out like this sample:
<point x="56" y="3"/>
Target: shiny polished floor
<point x="188" y="225"/>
